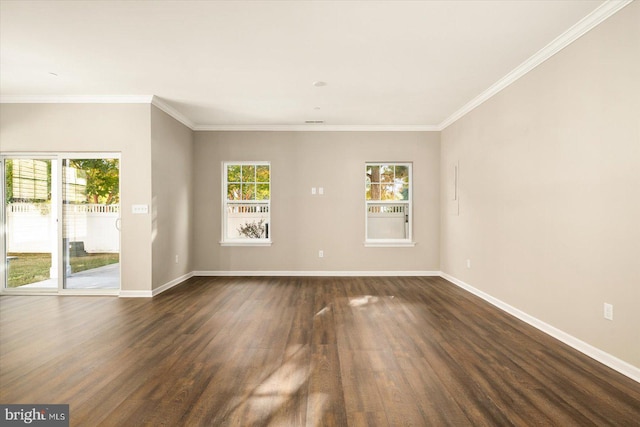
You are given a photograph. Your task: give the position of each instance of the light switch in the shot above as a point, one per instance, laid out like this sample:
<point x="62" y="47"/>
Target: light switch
<point x="139" y="209"/>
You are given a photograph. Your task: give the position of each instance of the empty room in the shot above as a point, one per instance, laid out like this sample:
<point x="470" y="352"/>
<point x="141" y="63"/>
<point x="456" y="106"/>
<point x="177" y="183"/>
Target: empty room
<point x="320" y="213"/>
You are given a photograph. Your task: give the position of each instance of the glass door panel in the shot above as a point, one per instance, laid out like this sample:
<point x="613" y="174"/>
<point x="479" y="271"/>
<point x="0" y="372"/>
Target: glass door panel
<point x="91" y="217"/>
<point x="30" y="220"/>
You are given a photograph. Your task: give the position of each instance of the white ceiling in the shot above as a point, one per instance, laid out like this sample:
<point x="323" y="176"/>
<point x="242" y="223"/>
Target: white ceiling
<point x="234" y="63"/>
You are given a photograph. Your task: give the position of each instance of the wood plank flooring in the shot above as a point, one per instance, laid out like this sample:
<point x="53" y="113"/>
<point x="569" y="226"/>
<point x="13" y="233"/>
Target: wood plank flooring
<point x="312" y="351"/>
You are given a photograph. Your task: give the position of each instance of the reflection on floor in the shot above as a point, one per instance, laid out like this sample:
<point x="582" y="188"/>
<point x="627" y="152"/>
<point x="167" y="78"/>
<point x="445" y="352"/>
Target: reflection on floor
<point x="107" y="277"/>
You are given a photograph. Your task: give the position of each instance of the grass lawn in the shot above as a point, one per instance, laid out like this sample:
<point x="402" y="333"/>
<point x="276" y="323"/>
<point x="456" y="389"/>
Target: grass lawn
<point x="29" y="268"/>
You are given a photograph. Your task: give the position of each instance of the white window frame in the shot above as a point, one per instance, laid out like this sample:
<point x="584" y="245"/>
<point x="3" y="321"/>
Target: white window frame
<point x="230" y="241"/>
<point x="408" y="240"/>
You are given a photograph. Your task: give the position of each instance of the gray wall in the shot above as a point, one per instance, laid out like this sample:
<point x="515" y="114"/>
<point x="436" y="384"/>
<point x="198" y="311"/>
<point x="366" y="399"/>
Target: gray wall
<point x="303" y="224"/>
<point x="172" y="200"/>
<point x="550" y="190"/>
<point x="97" y="128"/>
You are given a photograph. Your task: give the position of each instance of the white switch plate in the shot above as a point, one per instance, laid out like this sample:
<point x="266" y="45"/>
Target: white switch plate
<point x="321" y="254"/>
<point x="139" y="209"/>
<point x="608" y="311"/>
<point x="321" y="190"/>
<point x="313" y="190"/>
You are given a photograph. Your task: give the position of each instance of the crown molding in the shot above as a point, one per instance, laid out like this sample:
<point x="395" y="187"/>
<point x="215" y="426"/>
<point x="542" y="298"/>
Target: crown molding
<point x="319" y="128"/>
<point x="167" y="108"/>
<point x="158" y="102"/>
<point x="604" y="11"/>
<point x="601" y="13"/>
<point x="76" y="99"/>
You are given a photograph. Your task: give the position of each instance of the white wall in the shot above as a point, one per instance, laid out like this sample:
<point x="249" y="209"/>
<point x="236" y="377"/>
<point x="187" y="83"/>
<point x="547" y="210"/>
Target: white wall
<point x="550" y="190"/>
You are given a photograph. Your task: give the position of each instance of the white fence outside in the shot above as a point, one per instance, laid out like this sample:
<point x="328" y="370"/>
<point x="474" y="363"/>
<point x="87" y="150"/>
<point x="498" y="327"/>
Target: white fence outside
<point x="241" y="213"/>
<point x="30" y="227"/>
<point x="387" y="221"/>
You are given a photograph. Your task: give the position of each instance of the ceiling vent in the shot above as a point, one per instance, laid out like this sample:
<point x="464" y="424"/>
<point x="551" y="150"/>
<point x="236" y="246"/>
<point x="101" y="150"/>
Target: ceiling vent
<point x="314" y="122"/>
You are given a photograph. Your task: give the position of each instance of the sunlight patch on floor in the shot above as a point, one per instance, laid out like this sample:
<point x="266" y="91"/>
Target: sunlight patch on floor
<point x="280" y="389"/>
<point x="323" y="311"/>
<point x="363" y="300"/>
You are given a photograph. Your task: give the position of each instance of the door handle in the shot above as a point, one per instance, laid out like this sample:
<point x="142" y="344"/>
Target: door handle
<point x="118" y="223"/>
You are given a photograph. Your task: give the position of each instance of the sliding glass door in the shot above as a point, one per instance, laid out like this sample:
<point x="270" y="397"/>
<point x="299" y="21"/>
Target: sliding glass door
<point x="30" y="227"/>
<point x="61" y="217"/>
<point x="91" y="213"/>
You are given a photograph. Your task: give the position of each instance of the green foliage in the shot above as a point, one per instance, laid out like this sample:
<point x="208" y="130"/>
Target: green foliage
<point x="8" y="173"/>
<point x="248" y="182"/>
<point x="233" y="173"/>
<point x="262" y="173"/>
<point x="248" y="191"/>
<point x="263" y="192"/>
<point x="253" y="230"/>
<point x="248" y="173"/>
<point x="103" y="177"/>
<point x="233" y="191"/>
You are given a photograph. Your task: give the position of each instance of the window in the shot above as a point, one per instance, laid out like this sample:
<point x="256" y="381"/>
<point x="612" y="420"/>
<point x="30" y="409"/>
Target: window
<point x="246" y="203"/>
<point x="388" y="204"/>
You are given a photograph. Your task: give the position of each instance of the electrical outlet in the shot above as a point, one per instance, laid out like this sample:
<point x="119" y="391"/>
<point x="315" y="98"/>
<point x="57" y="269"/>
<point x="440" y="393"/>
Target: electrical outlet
<point x="321" y="191"/>
<point x="320" y="254"/>
<point x="468" y="263"/>
<point x="313" y="190"/>
<point x="608" y="311"/>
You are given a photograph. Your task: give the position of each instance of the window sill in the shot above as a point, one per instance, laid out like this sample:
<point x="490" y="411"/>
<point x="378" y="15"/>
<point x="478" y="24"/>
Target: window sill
<point x="242" y="243"/>
<point x="389" y="244"/>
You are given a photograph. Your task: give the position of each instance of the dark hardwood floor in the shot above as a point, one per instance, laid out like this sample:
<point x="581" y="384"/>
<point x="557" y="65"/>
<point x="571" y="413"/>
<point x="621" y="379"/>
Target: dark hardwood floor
<point x="301" y="351"/>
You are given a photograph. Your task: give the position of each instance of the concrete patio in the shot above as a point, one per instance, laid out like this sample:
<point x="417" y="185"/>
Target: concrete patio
<point x="106" y="277"/>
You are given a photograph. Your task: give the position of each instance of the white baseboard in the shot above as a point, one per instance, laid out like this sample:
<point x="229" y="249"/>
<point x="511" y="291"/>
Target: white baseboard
<point x="156" y="291"/>
<point x="603" y="357"/>
<point x="315" y="273"/>
<point x="171" y="284"/>
<point x="135" y="294"/>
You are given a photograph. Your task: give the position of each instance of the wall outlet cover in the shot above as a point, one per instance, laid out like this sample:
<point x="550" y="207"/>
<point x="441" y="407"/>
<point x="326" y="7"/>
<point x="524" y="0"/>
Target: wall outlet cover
<point x="139" y="209"/>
